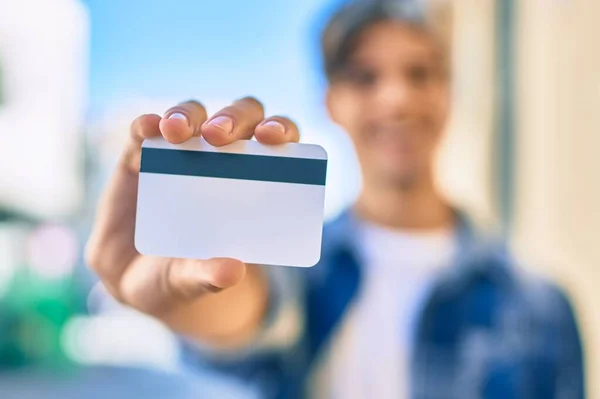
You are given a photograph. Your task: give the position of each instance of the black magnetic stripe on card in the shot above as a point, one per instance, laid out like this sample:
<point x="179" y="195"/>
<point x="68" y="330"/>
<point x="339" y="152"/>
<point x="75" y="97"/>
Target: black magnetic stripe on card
<point x="234" y="166"/>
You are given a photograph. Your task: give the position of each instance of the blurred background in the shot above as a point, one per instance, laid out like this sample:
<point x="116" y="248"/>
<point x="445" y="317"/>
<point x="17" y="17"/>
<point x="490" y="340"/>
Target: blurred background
<point x="522" y="152"/>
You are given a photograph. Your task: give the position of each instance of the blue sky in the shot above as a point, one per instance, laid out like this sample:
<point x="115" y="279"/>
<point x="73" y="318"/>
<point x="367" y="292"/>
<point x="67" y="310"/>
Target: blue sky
<point x="220" y="51"/>
<point x="206" y="49"/>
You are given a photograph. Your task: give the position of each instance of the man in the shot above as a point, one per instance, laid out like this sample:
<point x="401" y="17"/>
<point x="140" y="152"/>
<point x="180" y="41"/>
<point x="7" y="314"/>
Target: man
<point x="408" y="299"/>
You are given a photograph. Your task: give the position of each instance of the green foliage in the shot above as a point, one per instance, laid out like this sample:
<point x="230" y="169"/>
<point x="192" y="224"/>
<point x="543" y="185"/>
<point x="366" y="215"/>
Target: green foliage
<point x="32" y="318"/>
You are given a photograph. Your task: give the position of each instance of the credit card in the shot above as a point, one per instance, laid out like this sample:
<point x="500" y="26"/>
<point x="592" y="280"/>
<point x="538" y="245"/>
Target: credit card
<point x="249" y="201"/>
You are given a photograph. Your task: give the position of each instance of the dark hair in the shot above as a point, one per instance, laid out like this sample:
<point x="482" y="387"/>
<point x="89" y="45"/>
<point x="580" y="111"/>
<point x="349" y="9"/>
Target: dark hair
<point x="346" y="24"/>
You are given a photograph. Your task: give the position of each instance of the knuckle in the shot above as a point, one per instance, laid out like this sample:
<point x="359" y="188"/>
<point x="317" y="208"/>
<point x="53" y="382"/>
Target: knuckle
<point x="251" y="101"/>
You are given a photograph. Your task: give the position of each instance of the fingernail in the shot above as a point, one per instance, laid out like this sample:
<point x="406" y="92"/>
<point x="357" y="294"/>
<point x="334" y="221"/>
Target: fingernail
<point x="275" y="126"/>
<point x="213" y="288"/>
<point x="179" y="116"/>
<point x="222" y="122"/>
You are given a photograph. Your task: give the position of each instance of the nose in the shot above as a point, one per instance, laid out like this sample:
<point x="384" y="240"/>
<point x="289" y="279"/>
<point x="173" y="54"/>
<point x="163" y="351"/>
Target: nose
<point x="394" y="96"/>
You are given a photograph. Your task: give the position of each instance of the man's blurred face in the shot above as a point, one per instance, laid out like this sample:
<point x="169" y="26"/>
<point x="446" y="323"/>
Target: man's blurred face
<point x="393" y="100"/>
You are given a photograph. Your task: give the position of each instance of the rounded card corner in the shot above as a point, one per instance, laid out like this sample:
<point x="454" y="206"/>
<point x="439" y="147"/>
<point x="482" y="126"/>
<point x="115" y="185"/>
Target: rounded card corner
<point x="315" y="261"/>
<point x="322" y="152"/>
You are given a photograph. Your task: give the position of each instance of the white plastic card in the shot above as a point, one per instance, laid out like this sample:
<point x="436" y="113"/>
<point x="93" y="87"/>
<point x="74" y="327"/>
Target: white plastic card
<point x="257" y="203"/>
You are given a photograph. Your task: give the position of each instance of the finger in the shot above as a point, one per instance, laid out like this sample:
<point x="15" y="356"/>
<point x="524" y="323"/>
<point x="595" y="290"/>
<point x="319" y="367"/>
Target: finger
<point x="156" y="285"/>
<point x="277" y="130"/>
<point x="143" y="127"/>
<point x="234" y="122"/>
<point x="183" y="121"/>
<point x="110" y="246"/>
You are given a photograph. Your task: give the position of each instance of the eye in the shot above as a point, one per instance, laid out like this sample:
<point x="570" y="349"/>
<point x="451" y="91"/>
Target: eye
<point x="419" y="75"/>
<point x="361" y="77"/>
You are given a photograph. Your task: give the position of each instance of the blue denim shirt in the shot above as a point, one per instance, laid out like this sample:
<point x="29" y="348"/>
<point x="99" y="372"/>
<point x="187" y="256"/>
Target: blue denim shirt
<point x="486" y="331"/>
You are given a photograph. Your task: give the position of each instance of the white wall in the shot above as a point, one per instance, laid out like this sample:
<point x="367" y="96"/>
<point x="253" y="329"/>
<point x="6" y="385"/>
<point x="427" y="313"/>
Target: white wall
<point x="558" y="181"/>
<point x="465" y="162"/>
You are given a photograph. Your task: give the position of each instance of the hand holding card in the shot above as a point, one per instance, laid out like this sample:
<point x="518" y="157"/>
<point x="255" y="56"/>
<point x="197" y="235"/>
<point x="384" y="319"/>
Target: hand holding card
<point x="223" y="210"/>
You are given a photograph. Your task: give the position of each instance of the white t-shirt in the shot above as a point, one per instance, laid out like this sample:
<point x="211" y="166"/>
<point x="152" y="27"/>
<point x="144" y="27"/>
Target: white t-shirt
<point x="370" y="353"/>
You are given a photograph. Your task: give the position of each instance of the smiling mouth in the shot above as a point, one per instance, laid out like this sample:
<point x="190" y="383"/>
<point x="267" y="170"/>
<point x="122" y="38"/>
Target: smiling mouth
<point x="395" y="136"/>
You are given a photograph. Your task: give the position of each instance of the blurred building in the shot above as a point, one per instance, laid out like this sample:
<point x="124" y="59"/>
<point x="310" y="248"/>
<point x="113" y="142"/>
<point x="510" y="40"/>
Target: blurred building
<point x="43" y="101"/>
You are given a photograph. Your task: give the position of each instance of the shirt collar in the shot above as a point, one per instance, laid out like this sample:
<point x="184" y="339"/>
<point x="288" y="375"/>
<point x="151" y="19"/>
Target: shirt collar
<point x="479" y="254"/>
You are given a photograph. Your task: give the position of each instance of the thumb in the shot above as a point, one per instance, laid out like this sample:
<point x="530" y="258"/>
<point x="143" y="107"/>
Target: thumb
<point x="190" y="277"/>
<point x="157" y="285"/>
